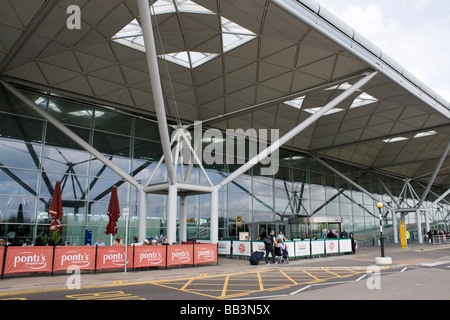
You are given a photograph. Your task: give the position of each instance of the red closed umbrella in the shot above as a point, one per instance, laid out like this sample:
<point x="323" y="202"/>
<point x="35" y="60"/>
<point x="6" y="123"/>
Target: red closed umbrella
<point x="113" y="212"/>
<point x="56" y="209"/>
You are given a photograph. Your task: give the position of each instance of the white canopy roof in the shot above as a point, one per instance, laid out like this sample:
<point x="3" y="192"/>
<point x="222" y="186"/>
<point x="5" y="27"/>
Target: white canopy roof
<point x="236" y="64"/>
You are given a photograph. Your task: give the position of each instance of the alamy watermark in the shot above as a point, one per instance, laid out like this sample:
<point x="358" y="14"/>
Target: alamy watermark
<point x="74" y="280"/>
<point x="74" y="20"/>
<point x="374" y="280"/>
<point x="235" y="146"/>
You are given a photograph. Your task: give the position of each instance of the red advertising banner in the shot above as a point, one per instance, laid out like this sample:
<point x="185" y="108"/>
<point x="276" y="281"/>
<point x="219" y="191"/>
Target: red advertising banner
<point x="205" y="253"/>
<point x="149" y="256"/>
<point x="82" y="257"/>
<point x="28" y="259"/>
<point x="2" y="253"/>
<point x="180" y="255"/>
<point x="113" y="257"/>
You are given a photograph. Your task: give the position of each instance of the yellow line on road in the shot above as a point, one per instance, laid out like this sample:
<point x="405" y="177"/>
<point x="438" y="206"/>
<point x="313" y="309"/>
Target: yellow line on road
<point x="261" y="286"/>
<point x="309" y="274"/>
<point x="187" y="283"/>
<point x="225" y="285"/>
<point x="292" y="280"/>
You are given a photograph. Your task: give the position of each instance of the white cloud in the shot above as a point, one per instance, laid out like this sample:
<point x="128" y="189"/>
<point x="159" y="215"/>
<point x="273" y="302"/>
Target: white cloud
<point x="413" y="32"/>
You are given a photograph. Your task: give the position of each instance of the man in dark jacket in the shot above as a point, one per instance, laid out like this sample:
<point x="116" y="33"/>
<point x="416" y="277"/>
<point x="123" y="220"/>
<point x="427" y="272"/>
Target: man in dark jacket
<point x="270" y="246"/>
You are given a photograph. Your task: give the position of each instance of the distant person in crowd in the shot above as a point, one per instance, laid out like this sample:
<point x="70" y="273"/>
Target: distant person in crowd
<point x="283" y="247"/>
<point x="99" y="242"/>
<point x="429" y="236"/>
<point x="16" y="242"/>
<point x="353" y="242"/>
<point x="281" y="236"/>
<point x="165" y="241"/>
<point x="153" y="243"/>
<point x="270" y="244"/>
<point x="38" y="242"/>
<point x="2" y="243"/>
<point x="117" y="242"/>
<point x="344" y="234"/>
<point x="331" y="234"/>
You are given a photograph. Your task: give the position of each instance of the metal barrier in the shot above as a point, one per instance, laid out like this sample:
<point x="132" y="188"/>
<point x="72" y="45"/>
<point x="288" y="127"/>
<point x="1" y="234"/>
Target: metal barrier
<point x="297" y="248"/>
<point x="439" y="239"/>
<point x="61" y="258"/>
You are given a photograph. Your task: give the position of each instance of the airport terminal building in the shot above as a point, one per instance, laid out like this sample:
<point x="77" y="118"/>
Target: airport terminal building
<point x="212" y="118"/>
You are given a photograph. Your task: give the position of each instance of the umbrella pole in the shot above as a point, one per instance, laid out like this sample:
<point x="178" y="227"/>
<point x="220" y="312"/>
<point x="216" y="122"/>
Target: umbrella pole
<point x="126" y="213"/>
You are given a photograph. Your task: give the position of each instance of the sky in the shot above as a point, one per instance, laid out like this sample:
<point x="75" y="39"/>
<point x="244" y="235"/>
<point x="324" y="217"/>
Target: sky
<point x="415" y="33"/>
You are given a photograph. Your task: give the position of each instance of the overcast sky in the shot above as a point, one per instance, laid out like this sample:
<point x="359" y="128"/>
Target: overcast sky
<point x="415" y="33"/>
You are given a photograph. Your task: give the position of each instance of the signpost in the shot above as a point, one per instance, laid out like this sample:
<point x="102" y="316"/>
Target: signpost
<point x="126" y="213"/>
<point x="239" y="221"/>
<point x="382" y="259"/>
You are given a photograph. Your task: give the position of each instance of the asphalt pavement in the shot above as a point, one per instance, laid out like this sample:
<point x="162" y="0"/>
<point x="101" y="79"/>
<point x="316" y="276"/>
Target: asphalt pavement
<point x="420" y="271"/>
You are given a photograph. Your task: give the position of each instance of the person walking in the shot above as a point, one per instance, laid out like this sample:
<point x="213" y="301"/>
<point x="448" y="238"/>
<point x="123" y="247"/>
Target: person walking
<point x="269" y="243"/>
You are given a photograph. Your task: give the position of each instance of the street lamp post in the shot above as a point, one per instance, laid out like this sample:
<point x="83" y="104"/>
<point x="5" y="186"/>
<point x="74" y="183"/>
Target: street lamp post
<point x="379" y="206"/>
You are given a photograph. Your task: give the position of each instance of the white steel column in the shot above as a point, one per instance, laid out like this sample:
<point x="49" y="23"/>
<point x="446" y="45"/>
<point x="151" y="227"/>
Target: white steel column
<point x="419" y="225"/>
<point x="152" y="61"/>
<point x="299" y="128"/>
<point x="214" y="222"/>
<point x="171" y="221"/>
<point x="142" y="232"/>
<point x="183" y="214"/>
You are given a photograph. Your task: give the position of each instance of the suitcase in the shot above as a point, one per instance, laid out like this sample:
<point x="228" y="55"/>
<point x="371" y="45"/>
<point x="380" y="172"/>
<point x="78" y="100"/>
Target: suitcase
<point x="256" y="257"/>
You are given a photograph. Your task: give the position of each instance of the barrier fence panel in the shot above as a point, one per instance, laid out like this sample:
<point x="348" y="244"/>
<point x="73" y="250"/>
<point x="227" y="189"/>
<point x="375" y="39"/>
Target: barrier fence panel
<point x="82" y="257"/>
<point x="302" y="249"/>
<point x="258" y="246"/>
<point x="317" y="247"/>
<point x="113" y="257"/>
<point x="332" y="246"/>
<point x="242" y="248"/>
<point x="224" y="247"/>
<point x="180" y="255"/>
<point x="28" y="259"/>
<point x="2" y="257"/>
<point x="205" y="253"/>
<point x="345" y="245"/>
<point x="149" y="256"/>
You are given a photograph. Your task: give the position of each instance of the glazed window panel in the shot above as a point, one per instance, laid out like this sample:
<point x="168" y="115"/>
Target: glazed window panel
<point x="110" y="121"/>
<point x="64" y="160"/>
<point x="56" y="138"/>
<point x="17" y="209"/>
<point x="19" y="154"/>
<point x="9" y="103"/>
<point x="21" y="128"/>
<point x="18" y="182"/>
<point x="112" y="144"/>
<point x="73" y="187"/>
<point x="99" y="169"/>
<point x="100" y="190"/>
<point x="71" y="113"/>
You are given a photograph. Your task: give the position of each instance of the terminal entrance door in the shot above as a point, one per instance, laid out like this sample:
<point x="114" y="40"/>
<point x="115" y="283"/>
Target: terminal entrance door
<point x="314" y="227"/>
<point x="265" y="227"/>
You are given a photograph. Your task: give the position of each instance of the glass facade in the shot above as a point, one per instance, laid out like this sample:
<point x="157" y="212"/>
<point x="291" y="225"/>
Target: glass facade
<point x="34" y="155"/>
